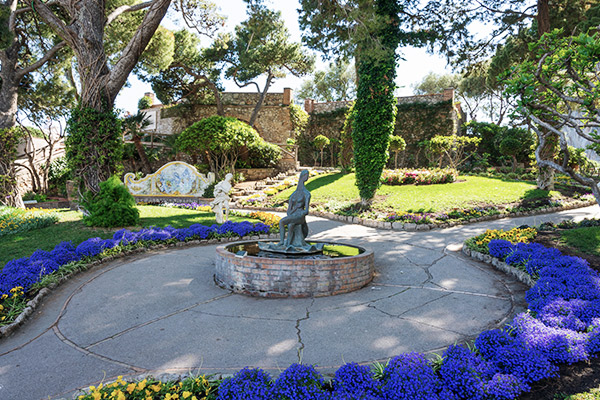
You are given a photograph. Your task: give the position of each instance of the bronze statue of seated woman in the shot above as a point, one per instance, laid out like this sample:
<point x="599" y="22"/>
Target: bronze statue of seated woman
<point x="297" y="229"/>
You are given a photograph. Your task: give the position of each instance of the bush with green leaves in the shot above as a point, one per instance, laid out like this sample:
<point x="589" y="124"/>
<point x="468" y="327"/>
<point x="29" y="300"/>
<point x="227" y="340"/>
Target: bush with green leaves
<point x="262" y="154"/>
<point x="451" y="150"/>
<point x="58" y="175"/>
<point x="113" y="206"/>
<point x="144" y="103"/>
<point x="219" y="139"/>
<point x="320" y="142"/>
<point x="518" y="142"/>
<point x="397" y="144"/>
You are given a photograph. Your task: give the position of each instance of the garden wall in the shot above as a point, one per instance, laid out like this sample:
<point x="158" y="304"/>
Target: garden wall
<point x="419" y="118"/>
<point x="273" y="122"/>
<point x="40" y="151"/>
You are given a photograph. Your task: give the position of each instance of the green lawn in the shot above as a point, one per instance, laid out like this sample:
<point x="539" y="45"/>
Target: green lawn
<point x="71" y="228"/>
<point x="471" y="191"/>
<point x="586" y="240"/>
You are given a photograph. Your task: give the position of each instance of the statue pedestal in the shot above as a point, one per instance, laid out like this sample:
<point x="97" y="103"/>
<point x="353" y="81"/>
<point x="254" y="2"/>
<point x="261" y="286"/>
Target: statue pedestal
<point x="291" y="249"/>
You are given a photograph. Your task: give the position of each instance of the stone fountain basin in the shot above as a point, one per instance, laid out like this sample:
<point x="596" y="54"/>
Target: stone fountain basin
<point x="238" y="270"/>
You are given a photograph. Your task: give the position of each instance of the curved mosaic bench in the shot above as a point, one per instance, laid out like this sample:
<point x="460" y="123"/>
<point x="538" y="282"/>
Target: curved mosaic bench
<point x="174" y="180"/>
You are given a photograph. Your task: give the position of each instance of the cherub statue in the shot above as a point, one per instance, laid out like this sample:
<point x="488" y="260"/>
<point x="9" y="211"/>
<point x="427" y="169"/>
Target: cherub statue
<point x="221" y="192"/>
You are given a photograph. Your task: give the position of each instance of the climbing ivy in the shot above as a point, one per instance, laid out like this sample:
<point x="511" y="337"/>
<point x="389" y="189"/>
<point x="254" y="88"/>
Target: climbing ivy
<point x="329" y="124"/>
<point x="375" y="105"/>
<point x="347" y="150"/>
<point x="299" y="119"/>
<point x="9" y="140"/>
<point x="94" y="146"/>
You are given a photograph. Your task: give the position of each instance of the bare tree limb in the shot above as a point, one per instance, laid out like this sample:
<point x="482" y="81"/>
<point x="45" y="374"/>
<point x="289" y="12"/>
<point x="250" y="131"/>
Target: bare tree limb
<point x="49" y="54"/>
<point x="123" y="9"/>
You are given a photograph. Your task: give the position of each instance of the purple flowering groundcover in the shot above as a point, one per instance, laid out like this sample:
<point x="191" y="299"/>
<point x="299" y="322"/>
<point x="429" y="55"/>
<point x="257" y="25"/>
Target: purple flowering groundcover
<point x="27" y="271"/>
<point x="562" y="326"/>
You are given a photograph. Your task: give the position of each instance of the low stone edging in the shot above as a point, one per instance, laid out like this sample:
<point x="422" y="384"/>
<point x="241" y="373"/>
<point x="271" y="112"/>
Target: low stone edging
<point x="32" y="304"/>
<point x="521" y="275"/>
<point x="412" y="227"/>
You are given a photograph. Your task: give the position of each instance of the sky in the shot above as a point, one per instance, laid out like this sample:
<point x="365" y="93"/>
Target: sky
<point x="417" y="62"/>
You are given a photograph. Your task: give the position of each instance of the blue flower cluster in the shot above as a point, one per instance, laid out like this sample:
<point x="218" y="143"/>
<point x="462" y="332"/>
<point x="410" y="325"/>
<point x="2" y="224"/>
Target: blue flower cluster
<point x="564" y="303"/>
<point x="246" y="384"/>
<point x="299" y="382"/>
<point x="563" y="326"/>
<point x="27" y="271"/>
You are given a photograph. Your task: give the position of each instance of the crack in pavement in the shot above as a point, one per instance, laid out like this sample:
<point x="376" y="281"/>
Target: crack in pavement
<point x="405" y="311"/>
<point x="132" y="328"/>
<point x="362" y="303"/>
<point x="299" y="331"/>
<point x="244" y="317"/>
<point x="85" y="351"/>
<point x="442" y="289"/>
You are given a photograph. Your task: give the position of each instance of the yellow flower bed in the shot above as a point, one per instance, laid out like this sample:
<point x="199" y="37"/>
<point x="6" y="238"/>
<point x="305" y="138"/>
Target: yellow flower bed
<point x="267" y="218"/>
<point x="11" y="305"/>
<point x="14" y="220"/>
<point x="193" y="388"/>
<point x="515" y="235"/>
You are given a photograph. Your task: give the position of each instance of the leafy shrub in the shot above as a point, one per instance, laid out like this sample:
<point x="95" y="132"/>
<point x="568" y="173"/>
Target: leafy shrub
<point x="58" y="174"/>
<point x="453" y="150"/>
<point x="262" y="154"/>
<point x="397" y="144"/>
<point x="320" y="142"/>
<point x="220" y="138"/>
<point x="112" y="206"/>
<point x="419" y="176"/>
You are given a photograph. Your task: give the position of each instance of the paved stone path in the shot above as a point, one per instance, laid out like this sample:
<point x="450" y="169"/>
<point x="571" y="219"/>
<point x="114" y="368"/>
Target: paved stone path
<point x="161" y="312"/>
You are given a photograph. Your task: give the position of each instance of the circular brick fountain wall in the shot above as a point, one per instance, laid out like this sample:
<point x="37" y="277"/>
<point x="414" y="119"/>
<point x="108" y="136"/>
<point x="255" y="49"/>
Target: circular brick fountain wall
<point x="292" y="277"/>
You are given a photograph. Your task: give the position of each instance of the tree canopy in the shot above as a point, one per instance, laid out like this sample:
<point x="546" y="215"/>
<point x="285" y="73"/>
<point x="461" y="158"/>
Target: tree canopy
<point x="260" y="46"/>
<point x="559" y="90"/>
<point x="336" y="83"/>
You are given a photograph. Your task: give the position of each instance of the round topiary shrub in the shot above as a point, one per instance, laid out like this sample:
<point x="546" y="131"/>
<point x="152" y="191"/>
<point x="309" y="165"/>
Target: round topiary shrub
<point x="112" y="206"/>
<point x="219" y="139"/>
<point x="262" y="154"/>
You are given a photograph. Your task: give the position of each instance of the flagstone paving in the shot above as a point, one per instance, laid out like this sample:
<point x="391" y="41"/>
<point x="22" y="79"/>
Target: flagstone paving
<point x="161" y="312"/>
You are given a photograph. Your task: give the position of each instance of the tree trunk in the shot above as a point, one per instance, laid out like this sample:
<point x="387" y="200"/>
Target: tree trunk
<point x="545" y="178"/>
<point x="543" y="17"/>
<point x="9" y="83"/>
<point x="99" y="84"/>
<point x="137" y="142"/>
<point x="260" y="101"/>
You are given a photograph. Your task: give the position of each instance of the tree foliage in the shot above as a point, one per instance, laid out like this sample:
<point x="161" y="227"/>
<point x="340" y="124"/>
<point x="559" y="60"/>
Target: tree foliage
<point x="371" y="32"/>
<point x="337" y="83"/>
<point x="397" y="145"/>
<point x="260" y="46"/>
<point x="191" y="77"/>
<point x="320" y="142"/>
<point x="219" y="139"/>
<point x="93" y="135"/>
<point x="559" y="90"/>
